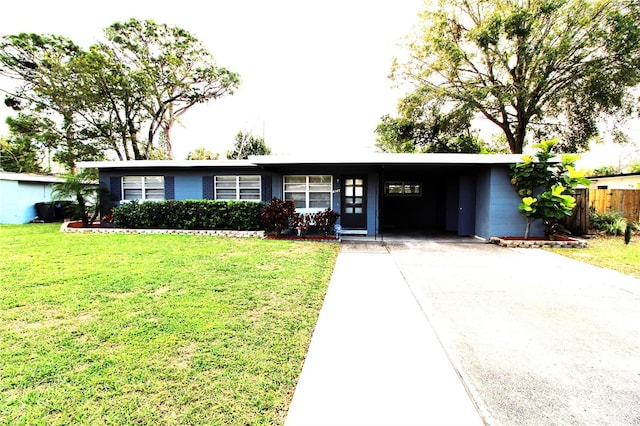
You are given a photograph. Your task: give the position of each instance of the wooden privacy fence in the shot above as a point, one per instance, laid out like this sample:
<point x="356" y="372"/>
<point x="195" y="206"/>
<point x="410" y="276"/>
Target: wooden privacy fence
<point x="624" y="201"/>
<point x="578" y="222"/>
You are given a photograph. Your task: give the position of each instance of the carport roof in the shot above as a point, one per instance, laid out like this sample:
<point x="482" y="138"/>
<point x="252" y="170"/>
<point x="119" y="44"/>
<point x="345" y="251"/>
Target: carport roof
<point x="342" y="159"/>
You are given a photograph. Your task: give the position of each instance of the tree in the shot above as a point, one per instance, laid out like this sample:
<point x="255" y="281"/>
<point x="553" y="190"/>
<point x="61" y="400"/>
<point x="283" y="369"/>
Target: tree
<point x="634" y="167"/>
<point x="202" y="153"/>
<point x="177" y="68"/>
<point x="123" y="94"/>
<point x="541" y="67"/>
<point x="47" y="97"/>
<point x="426" y="127"/>
<point x="19" y="156"/>
<point x="83" y="188"/>
<point x="604" y="171"/>
<point x="546" y="186"/>
<point x="25" y="150"/>
<point x="245" y="145"/>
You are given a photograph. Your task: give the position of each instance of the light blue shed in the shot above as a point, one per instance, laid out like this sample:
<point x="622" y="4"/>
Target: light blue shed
<point x="19" y="192"/>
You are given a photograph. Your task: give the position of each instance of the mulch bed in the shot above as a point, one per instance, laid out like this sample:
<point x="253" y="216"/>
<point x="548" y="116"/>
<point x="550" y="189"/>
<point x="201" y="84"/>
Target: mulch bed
<point x="78" y="224"/>
<point x="305" y="238"/>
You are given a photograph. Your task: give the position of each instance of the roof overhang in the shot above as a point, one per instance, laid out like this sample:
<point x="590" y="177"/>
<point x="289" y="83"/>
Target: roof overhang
<point x="390" y="159"/>
<point x="174" y="164"/>
<point x="27" y="177"/>
<point x="339" y="159"/>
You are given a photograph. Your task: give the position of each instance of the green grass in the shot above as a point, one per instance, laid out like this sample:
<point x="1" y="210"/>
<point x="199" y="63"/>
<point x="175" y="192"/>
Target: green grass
<point x="609" y="252"/>
<point x="153" y="329"/>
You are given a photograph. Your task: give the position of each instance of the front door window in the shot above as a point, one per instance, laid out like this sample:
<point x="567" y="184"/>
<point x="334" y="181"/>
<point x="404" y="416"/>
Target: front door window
<point x="354" y="211"/>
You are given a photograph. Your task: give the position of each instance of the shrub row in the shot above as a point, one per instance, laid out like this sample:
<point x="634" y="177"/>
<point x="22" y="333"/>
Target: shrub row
<point x="189" y="214"/>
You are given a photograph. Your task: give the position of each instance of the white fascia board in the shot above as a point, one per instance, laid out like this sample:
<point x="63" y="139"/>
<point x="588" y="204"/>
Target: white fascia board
<point x="163" y="164"/>
<point x="367" y="158"/>
<point x="387" y="158"/>
<point x="26" y="177"/>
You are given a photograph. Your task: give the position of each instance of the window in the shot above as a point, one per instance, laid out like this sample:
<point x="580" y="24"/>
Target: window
<point x="402" y="188"/>
<point x="143" y="188"/>
<point x="246" y="188"/>
<point x="308" y="192"/>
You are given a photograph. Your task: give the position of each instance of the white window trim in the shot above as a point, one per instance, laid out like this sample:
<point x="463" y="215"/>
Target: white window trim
<point x="306" y="208"/>
<point x="143" y="188"/>
<point x="237" y="177"/>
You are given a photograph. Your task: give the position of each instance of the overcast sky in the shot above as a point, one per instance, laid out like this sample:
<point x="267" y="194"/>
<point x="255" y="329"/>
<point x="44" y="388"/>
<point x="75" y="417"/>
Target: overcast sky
<point x="314" y="73"/>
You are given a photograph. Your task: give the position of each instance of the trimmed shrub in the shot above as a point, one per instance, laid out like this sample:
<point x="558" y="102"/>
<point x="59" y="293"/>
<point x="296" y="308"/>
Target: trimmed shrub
<point x="189" y="214"/>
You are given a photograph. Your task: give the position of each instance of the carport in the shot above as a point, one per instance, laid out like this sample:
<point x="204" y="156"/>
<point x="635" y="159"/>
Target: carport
<point x="428" y="198"/>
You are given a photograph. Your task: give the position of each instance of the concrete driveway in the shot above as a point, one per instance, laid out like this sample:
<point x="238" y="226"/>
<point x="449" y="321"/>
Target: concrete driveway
<point x="536" y="337"/>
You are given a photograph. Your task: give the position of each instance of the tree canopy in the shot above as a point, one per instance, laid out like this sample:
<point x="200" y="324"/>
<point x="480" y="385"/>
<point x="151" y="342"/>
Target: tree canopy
<point x="427" y="127"/>
<point x="46" y="96"/>
<point x="121" y="95"/>
<point x="202" y="153"/>
<point x="247" y="144"/>
<point x="533" y="68"/>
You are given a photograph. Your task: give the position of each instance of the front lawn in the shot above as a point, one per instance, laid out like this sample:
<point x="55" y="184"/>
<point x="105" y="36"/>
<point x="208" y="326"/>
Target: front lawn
<point x="609" y="252"/>
<point x="153" y="329"/>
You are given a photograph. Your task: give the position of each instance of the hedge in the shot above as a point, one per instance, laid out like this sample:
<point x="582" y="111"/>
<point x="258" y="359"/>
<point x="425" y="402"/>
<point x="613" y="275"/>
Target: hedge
<point x="189" y="214"/>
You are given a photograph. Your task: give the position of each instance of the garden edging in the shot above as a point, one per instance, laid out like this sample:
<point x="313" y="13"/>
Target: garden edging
<point x="522" y="243"/>
<point x="209" y="232"/>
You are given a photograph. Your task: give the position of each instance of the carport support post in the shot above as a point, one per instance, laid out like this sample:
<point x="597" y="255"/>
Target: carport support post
<point x="380" y="200"/>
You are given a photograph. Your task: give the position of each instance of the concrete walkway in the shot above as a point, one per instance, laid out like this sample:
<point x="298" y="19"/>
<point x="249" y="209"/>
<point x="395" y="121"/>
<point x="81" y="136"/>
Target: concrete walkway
<point x="374" y="358"/>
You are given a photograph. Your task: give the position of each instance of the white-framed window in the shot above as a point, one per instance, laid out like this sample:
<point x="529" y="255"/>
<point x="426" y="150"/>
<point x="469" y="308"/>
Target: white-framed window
<point x="245" y="188"/>
<point x="309" y="192"/>
<point x="142" y="188"/>
<point x="403" y="188"/>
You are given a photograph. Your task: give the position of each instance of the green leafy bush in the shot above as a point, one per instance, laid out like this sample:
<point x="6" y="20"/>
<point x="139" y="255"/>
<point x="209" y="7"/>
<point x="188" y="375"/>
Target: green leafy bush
<point x="189" y="214"/>
<point x="612" y="223"/>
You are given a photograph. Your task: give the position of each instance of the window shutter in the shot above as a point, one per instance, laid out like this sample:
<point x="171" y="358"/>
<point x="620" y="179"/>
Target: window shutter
<point x="207" y="187"/>
<point x="266" y="189"/>
<point x="115" y="187"/>
<point x="169" y="188"/>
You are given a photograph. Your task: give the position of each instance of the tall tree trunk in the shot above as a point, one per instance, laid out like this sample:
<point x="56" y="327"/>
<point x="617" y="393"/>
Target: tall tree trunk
<point x="166" y="129"/>
<point x="70" y="141"/>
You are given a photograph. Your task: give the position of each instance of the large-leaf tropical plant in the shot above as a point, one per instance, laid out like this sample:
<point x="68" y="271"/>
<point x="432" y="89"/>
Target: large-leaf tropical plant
<point x="83" y="189"/>
<point x="547" y="186"/>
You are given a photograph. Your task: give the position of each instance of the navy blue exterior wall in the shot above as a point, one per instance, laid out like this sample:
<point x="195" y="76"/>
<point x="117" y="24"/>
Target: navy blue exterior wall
<point x="497" y="206"/>
<point x="182" y="184"/>
<point x="438" y="208"/>
<point x="373" y="206"/>
<point x="452" y="191"/>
